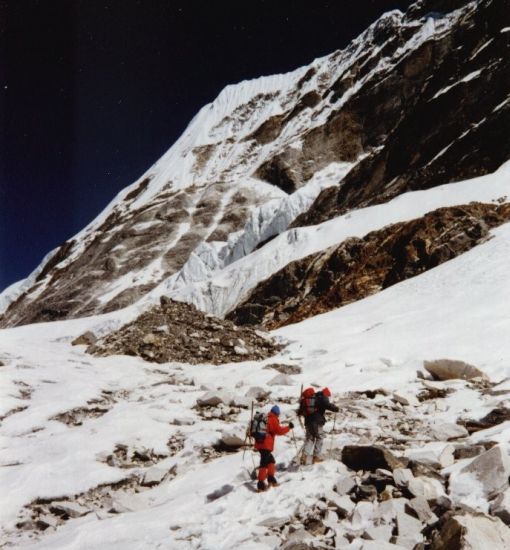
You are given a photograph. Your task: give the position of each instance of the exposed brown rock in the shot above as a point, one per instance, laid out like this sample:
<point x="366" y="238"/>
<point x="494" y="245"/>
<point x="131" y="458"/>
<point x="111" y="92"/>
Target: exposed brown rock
<point x="284" y="369"/>
<point x="176" y="331"/>
<point x="448" y="369"/>
<point x="470" y="532"/>
<point x="495" y="417"/>
<point x="138" y="190"/>
<point x="358" y="267"/>
<point x="86" y="339"/>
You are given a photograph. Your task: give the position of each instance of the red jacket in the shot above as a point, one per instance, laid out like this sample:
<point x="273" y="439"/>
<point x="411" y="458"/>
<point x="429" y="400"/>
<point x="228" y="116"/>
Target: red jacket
<point x="273" y="429"/>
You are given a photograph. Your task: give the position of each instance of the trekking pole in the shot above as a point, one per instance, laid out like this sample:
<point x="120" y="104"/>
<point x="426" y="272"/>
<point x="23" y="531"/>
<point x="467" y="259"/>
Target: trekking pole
<point x="332" y="435"/>
<point x="294" y="440"/>
<point x="299" y="417"/>
<point x="248" y="431"/>
<point x="298" y="450"/>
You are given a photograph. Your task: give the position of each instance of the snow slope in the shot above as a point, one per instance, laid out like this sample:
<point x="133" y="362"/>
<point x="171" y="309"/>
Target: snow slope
<point x="12" y="292"/>
<point x="219" y="290"/>
<point x="457" y="310"/>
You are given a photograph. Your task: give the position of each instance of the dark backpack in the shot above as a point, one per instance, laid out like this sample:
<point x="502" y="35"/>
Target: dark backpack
<point x="308" y="402"/>
<point x="258" y="427"/>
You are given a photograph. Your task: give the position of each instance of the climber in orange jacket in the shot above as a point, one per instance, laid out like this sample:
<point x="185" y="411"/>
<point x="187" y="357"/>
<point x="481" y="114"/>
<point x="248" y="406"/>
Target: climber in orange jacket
<point x="265" y="446"/>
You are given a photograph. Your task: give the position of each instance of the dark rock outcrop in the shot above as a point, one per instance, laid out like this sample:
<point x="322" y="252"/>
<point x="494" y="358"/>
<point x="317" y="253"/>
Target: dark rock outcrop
<point x="358" y="268"/>
<point x="439" y="116"/>
<point x="370" y="457"/>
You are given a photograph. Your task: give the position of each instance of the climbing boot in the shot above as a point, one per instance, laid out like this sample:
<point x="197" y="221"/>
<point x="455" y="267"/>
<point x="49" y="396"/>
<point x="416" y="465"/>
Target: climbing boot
<point x="317" y="459"/>
<point x="262" y="487"/>
<point x="272" y="481"/>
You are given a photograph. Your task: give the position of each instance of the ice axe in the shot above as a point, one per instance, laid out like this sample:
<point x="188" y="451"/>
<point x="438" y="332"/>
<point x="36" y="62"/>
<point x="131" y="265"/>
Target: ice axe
<point x="248" y="429"/>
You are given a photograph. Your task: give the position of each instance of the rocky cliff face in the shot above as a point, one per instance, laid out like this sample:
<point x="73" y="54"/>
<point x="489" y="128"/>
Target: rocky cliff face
<point x="360" y="267"/>
<point x="439" y="115"/>
<point x="418" y="99"/>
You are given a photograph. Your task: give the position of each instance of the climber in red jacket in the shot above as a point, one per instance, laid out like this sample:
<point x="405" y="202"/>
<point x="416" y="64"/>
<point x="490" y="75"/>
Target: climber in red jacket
<point x="265" y="445"/>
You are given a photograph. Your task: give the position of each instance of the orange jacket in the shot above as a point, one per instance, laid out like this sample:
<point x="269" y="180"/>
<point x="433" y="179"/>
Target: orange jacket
<point x="273" y="429"/>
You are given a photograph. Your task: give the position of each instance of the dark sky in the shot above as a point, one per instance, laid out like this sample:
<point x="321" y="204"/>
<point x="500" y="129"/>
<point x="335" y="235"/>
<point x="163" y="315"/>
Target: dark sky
<point x="92" y="93"/>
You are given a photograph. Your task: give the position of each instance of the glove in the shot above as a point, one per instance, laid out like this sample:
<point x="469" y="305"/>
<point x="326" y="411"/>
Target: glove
<point x="291" y="425"/>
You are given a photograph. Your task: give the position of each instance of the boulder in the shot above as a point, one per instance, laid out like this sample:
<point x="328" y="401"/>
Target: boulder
<point x="436" y="454"/>
<point x="409" y="530"/>
<point x="300" y="539"/>
<point x="493" y="418"/>
<point x="86" y="339"/>
<point x="72" y="509"/>
<point x="315" y="526"/>
<point x="214" y="398"/>
<point x="491" y="469"/>
<point x="472" y="532"/>
<point x="420" y="507"/>
<point x="27" y="525"/>
<point x="425" y="470"/>
<point x="125" y="502"/>
<point x="448" y="369"/>
<point x="378" y="532"/>
<point x="500" y="507"/>
<point x="47" y="520"/>
<point x="231" y="441"/>
<point x="281" y="380"/>
<point x="165" y="301"/>
<point x="402" y="476"/>
<point x="241" y="401"/>
<point x="241" y="350"/>
<point x="387" y="493"/>
<point x="284" y="368"/>
<point x="426" y="487"/>
<point x="438" y="386"/>
<point x="363" y="514"/>
<point x="341" y="503"/>
<point x="387" y="509"/>
<point x="150" y="339"/>
<point x="258" y="393"/>
<point x="344" y="485"/>
<point x="369" y="457"/>
<point x="183" y="421"/>
<point x="275" y="522"/>
<point x="447" y="430"/>
<point x="405" y="399"/>
<point x="154" y="476"/>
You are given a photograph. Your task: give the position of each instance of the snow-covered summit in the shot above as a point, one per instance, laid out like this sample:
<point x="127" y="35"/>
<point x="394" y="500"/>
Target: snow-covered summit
<point x="366" y="108"/>
<point x="376" y="178"/>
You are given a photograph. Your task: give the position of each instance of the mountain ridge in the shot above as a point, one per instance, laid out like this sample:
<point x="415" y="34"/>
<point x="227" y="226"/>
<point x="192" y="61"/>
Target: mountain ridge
<point x="260" y="140"/>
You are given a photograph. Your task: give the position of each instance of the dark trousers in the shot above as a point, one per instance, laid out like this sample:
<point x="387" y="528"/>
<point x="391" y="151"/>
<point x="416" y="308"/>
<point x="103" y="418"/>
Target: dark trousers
<point x="267" y="467"/>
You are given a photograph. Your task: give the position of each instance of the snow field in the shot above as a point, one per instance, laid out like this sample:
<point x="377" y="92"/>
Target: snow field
<point x="457" y="310"/>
